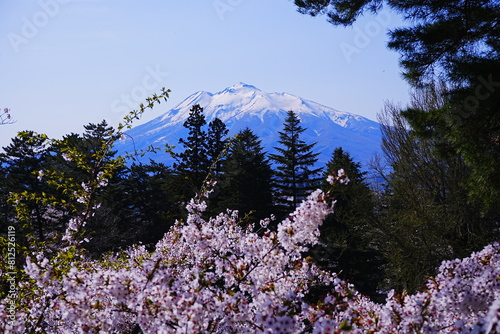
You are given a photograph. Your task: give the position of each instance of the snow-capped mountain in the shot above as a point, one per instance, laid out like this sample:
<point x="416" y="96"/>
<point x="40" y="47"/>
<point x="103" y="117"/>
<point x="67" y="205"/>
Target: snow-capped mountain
<point x="243" y="105"/>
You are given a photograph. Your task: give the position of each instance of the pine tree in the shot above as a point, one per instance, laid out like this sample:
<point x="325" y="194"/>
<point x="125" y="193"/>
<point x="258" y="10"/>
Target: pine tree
<point x="194" y="163"/>
<point x="296" y="176"/>
<point x="139" y="205"/>
<point x="455" y="42"/>
<point x="217" y="131"/>
<point x="87" y="144"/>
<point x="24" y="160"/>
<point x="343" y="160"/>
<point x="246" y="181"/>
<point x="347" y="246"/>
<point x="425" y="216"/>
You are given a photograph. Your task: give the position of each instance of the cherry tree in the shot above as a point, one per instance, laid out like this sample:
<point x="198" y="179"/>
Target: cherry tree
<point x="214" y="276"/>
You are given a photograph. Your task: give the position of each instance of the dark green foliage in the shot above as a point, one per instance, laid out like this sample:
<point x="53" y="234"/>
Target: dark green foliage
<point x="447" y="37"/>
<point x="443" y="199"/>
<point x="194" y="162"/>
<point x="49" y="182"/>
<point x="23" y="161"/>
<point x="347" y="244"/>
<point x="82" y="167"/>
<point x="202" y="152"/>
<point x="246" y="180"/>
<point x="295" y="175"/>
<point x="457" y="42"/>
<point x="88" y="145"/>
<point x="139" y="205"/>
<point x="339" y="12"/>
<point x="425" y="215"/>
<point x="468" y="125"/>
<point x="216" y="136"/>
<point x="443" y="37"/>
<point x="44" y="179"/>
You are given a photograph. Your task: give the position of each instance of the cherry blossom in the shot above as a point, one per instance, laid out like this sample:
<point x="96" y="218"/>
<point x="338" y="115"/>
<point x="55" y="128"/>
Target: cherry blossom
<point x="213" y="275"/>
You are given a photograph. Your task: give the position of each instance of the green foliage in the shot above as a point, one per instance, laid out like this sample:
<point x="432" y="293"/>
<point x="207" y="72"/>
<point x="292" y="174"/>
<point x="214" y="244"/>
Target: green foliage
<point x="6" y="210"/>
<point x="347" y="242"/>
<point x="444" y="193"/>
<point x="294" y="177"/>
<point x="24" y="161"/>
<point x="53" y="181"/>
<point x="425" y="215"/>
<point x="467" y="125"/>
<point x="455" y="42"/>
<point x="193" y="162"/>
<point x="44" y="192"/>
<point x="339" y="12"/>
<point x="216" y="143"/>
<point x="442" y="37"/>
<point x="138" y="206"/>
<point x="246" y="180"/>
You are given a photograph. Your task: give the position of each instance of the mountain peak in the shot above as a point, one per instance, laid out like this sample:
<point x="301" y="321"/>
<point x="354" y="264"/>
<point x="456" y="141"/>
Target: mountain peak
<point x="241" y="87"/>
<point x="242" y="105"/>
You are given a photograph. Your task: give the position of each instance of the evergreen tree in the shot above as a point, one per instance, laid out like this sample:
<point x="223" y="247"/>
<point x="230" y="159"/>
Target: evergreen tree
<point x="425" y="216"/>
<point x="246" y="180"/>
<point x="95" y="136"/>
<point x="194" y="163"/>
<point x="343" y="160"/>
<point x="24" y="160"/>
<point x="467" y="127"/>
<point x="84" y="165"/>
<point x="217" y="132"/>
<point x="138" y="206"/>
<point x="87" y="144"/>
<point x="347" y="244"/>
<point x="455" y="42"/>
<point x="296" y="176"/>
<point x="446" y="38"/>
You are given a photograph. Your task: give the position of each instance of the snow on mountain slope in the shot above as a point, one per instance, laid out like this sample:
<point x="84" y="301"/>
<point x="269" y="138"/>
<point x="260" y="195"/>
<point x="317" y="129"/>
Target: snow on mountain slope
<point x="242" y="105"/>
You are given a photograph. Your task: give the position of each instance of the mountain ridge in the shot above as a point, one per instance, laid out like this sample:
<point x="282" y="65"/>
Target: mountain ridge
<point x="243" y="105"/>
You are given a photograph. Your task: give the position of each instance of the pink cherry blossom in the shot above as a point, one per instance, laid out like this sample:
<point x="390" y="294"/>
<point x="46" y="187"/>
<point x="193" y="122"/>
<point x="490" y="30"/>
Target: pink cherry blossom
<point x="212" y="275"/>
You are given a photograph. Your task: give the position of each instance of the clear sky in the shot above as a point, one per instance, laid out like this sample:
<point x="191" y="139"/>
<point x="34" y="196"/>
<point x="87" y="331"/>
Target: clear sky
<point x="67" y="63"/>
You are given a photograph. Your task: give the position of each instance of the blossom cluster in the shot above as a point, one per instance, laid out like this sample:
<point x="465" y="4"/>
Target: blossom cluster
<point x="213" y="275"/>
<point x="340" y="177"/>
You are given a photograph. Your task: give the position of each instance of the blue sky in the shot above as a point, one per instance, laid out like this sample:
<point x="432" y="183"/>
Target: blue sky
<point x="67" y="63"/>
